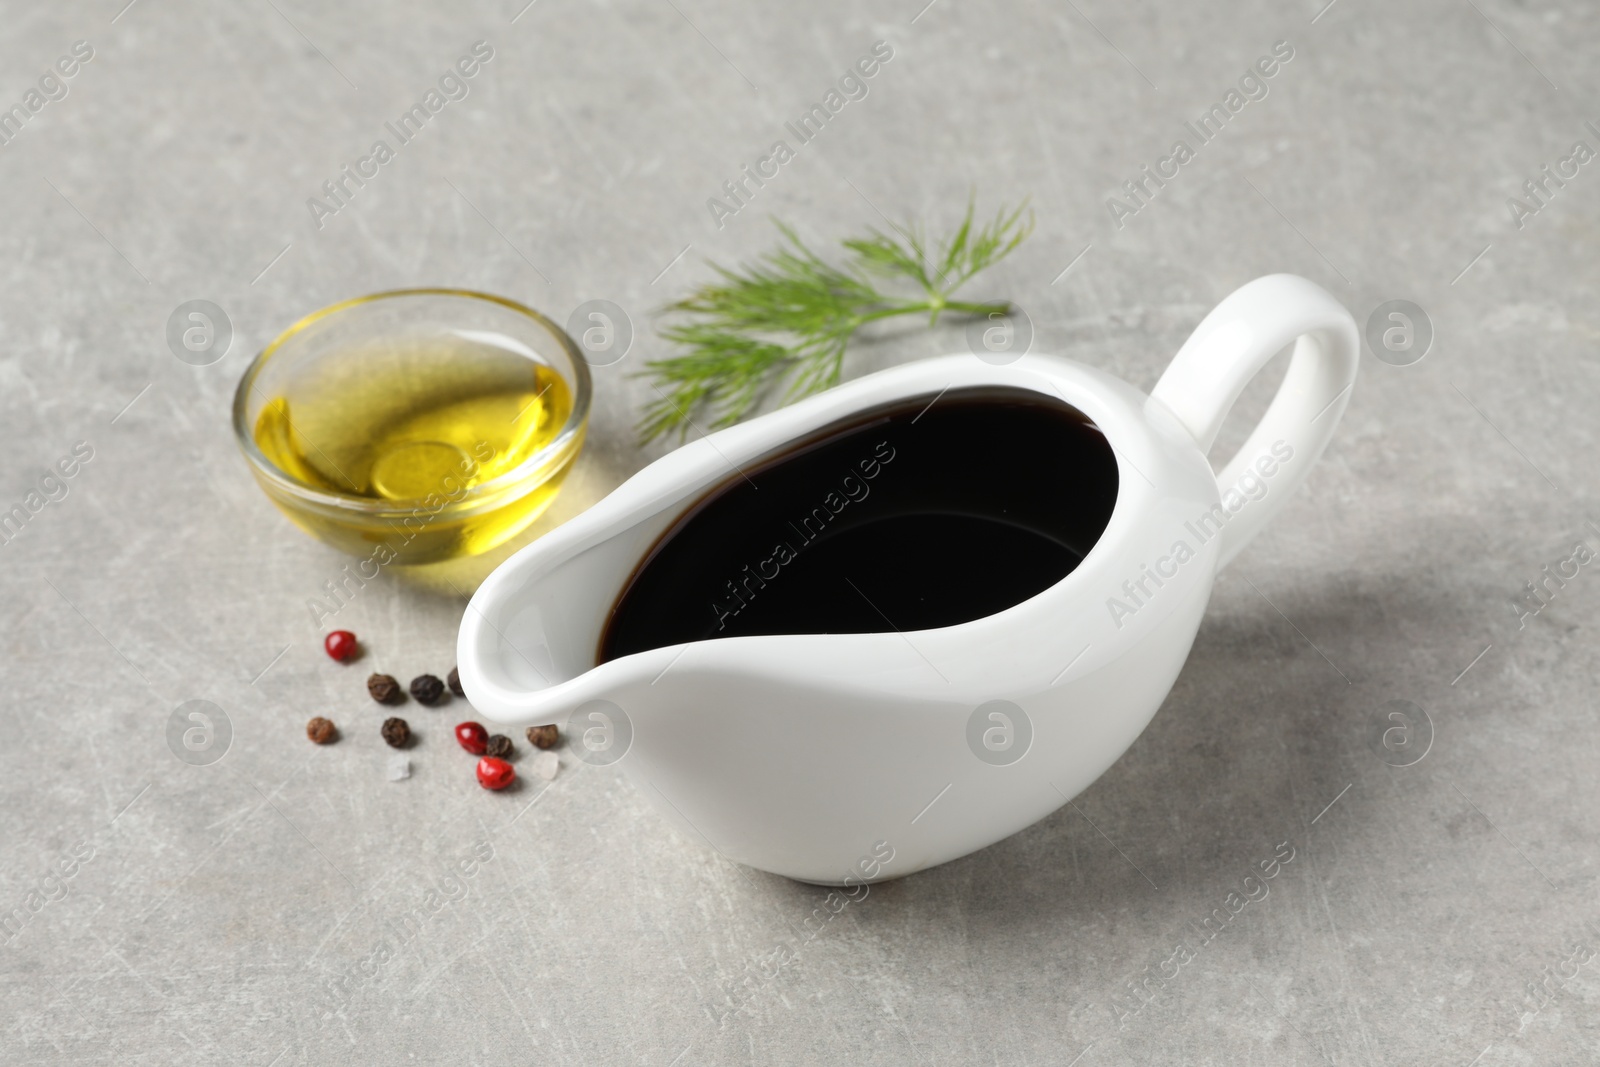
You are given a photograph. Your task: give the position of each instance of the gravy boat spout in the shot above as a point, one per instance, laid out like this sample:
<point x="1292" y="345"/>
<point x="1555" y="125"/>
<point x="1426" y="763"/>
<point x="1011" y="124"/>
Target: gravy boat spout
<point x="849" y="757"/>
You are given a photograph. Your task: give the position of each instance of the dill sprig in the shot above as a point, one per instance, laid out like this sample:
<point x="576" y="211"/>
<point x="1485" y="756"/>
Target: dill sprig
<point x="791" y="314"/>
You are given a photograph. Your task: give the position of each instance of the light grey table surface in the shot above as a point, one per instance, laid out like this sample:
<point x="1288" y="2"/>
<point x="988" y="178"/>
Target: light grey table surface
<point x="288" y="905"/>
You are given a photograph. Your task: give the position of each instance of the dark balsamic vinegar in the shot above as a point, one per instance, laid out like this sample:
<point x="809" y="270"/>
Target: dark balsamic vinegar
<point x="921" y="513"/>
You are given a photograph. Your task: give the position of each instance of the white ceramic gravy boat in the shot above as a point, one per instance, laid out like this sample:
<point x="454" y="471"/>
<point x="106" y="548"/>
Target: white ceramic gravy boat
<point x="843" y="758"/>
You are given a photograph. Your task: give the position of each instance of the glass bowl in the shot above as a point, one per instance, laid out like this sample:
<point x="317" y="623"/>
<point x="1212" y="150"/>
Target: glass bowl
<point x="416" y="425"/>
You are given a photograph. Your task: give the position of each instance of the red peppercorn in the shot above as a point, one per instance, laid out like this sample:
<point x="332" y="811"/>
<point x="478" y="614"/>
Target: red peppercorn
<point x="341" y="644"/>
<point x="495" y="773"/>
<point x="473" y="737"/>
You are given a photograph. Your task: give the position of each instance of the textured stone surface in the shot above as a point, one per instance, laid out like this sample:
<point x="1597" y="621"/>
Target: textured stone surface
<point x="286" y="905"/>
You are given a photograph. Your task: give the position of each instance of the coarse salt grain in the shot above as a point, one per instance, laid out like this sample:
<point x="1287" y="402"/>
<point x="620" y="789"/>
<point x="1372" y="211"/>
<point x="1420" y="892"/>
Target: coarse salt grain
<point x="545" y="765"/>
<point x="399" y="768"/>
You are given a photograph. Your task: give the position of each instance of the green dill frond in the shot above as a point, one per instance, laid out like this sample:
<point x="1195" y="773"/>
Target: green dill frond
<point x="792" y="314"/>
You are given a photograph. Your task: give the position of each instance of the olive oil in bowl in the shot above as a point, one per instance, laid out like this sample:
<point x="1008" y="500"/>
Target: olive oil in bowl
<point x="415" y="441"/>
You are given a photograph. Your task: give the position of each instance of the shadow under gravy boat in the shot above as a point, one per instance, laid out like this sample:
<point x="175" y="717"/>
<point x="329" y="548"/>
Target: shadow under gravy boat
<point x="841" y="758"/>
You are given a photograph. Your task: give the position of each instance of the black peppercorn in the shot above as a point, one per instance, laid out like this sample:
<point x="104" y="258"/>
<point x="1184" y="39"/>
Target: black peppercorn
<point x="384" y="689"/>
<point x="499" y="746"/>
<point x="396" y="732"/>
<point x="543" y="736"/>
<point x="427" y="689"/>
<point x="321" y="730"/>
<point x="453" y="680"/>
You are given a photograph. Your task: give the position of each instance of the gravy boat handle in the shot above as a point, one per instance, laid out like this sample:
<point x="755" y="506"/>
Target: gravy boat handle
<point x="1227" y="349"/>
